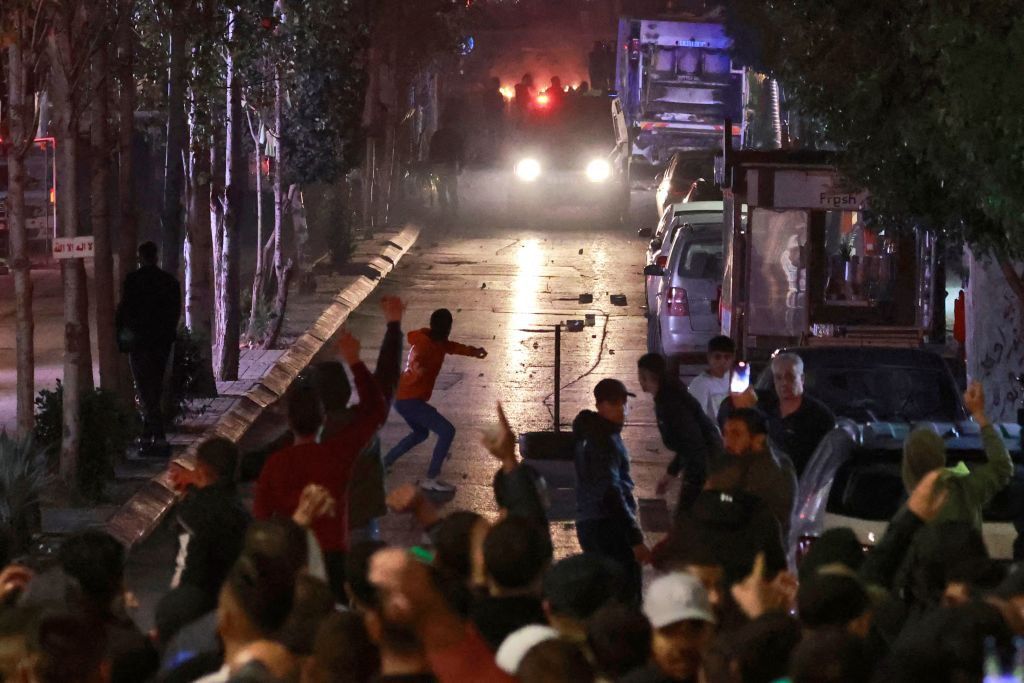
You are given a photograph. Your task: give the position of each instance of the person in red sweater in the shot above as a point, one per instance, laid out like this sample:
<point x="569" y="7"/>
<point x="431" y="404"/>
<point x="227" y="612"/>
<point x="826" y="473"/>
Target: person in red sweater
<point x="429" y="347"/>
<point x="329" y="464"/>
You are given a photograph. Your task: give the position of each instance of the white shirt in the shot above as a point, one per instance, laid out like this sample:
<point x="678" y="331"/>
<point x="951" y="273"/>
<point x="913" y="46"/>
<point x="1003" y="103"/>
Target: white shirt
<point x="710" y="391"/>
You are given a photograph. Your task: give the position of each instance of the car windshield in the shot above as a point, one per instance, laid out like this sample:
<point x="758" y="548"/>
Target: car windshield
<point x="881" y="392"/>
<point x="702" y="259"/>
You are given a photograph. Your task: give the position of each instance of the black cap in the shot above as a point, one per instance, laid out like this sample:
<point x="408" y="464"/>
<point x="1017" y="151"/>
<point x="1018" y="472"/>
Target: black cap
<point x="611" y="390"/>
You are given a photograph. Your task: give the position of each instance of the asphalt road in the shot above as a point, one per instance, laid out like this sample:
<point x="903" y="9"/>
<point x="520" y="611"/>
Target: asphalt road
<point x="507" y="285"/>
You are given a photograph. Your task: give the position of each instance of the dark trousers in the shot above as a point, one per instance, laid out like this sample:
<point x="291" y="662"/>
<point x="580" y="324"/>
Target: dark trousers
<point x="610" y="537"/>
<point x="694" y="474"/>
<point x="148" y="364"/>
<point x="334" y="563"/>
<point x="447" y="188"/>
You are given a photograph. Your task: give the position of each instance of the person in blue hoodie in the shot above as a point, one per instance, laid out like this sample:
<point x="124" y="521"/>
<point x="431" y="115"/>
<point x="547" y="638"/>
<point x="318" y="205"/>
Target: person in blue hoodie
<point x="606" y="510"/>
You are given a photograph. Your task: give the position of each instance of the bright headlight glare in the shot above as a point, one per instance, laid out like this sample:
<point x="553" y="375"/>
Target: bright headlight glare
<point x="598" y="170"/>
<point x="528" y="170"/>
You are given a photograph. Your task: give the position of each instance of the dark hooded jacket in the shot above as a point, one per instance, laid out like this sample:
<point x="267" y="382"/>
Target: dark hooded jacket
<point x="604" y="487"/>
<point x="970" y="490"/>
<point x="727" y="528"/>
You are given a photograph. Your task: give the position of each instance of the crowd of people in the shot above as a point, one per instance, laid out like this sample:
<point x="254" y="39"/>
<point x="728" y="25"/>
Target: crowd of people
<point x="303" y="588"/>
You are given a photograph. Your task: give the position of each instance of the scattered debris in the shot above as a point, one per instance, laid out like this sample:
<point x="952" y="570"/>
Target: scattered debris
<point x="611" y="352"/>
<point x="581" y="252"/>
<point x="618" y="299"/>
<point x="574" y="325"/>
<point x="535" y="345"/>
<point x="483" y="285"/>
<point x="591" y="319"/>
<point x="586" y="298"/>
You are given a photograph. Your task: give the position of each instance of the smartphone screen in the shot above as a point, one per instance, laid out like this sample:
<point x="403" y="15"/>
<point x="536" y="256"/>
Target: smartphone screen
<point x="740" y="378"/>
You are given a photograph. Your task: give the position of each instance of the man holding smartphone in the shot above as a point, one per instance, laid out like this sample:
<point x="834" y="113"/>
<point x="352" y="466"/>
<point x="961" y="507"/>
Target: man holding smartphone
<point x="685" y="429"/>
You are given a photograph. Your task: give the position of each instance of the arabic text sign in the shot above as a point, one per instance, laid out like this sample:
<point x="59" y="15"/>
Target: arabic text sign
<point x="73" y="247"/>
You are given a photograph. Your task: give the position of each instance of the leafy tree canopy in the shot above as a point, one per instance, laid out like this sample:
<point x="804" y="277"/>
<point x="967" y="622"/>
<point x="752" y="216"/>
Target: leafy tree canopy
<point x="922" y="97"/>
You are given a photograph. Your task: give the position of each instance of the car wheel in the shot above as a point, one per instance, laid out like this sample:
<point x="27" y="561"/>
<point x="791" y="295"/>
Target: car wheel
<point x="653" y="334"/>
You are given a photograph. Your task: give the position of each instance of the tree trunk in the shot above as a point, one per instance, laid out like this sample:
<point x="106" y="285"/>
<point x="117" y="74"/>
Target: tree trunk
<point x="77" y="356"/>
<point x="127" y="228"/>
<point x="170" y="214"/>
<point x="216" y="230"/>
<point x="226" y="352"/>
<point x="199" y="259"/>
<point x="127" y="235"/>
<point x="282" y="270"/>
<point x="110" y="375"/>
<point x="259" y="277"/>
<point x="20" y="263"/>
<point x="995" y="332"/>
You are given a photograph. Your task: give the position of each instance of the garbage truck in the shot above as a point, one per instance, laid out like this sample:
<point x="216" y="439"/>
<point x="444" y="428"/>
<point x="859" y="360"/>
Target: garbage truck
<point x="678" y="85"/>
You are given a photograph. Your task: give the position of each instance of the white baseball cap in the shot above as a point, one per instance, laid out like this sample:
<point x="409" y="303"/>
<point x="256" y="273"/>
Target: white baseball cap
<point x="518" y="643"/>
<point x="676" y="597"/>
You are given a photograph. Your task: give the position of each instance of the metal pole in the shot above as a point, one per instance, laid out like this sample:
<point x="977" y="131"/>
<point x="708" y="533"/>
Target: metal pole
<point x="558" y="377"/>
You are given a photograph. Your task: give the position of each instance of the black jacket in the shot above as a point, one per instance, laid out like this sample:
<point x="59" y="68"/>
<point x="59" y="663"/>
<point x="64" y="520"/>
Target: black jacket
<point x="604" y="487"/>
<point x="797" y="435"/>
<point x="446" y="147"/>
<point x="212" y="522"/>
<point x="685" y="428"/>
<point x="726" y="528"/>
<point x="149" y="310"/>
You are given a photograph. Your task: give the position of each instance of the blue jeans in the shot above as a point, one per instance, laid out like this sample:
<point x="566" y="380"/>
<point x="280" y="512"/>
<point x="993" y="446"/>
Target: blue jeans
<point x="423" y="418"/>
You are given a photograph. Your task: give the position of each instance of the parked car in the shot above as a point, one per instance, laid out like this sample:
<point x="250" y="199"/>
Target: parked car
<point x="672" y="219"/>
<point x="683" y="315"/>
<point x="879" y="395"/>
<point x="682" y="182"/>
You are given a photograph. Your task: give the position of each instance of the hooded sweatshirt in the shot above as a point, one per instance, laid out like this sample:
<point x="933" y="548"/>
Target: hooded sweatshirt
<point x="970" y="490"/>
<point x="604" y="487"/>
<point x="426" y="355"/>
<point x="727" y="528"/>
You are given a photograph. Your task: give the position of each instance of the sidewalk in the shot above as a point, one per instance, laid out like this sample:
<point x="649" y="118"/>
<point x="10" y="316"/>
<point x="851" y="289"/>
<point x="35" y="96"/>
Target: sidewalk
<point x="264" y="377"/>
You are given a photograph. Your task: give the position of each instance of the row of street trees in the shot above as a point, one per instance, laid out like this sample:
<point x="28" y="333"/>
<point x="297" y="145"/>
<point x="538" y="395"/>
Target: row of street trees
<point x="923" y="100"/>
<point x="284" y="82"/>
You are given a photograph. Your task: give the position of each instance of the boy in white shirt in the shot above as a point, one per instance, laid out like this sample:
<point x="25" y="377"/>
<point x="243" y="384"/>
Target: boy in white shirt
<point x="712" y="386"/>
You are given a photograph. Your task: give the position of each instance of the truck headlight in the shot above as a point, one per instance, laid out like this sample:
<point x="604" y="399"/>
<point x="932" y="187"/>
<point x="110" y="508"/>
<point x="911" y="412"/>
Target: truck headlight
<point x="528" y="170"/>
<point x="598" y="171"/>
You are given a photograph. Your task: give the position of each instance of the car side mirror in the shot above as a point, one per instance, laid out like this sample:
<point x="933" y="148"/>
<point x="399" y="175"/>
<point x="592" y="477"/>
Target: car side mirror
<point x="644" y="232"/>
<point x="655" y="270"/>
<point x="655" y="244"/>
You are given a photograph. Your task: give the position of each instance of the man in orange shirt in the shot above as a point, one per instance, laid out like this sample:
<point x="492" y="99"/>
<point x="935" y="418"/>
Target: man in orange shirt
<point x="426" y="355"/>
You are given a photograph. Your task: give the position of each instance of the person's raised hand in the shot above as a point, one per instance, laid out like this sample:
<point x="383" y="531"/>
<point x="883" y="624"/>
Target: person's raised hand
<point x="747" y="399"/>
<point x="315" y="502"/>
<point x="928" y="497"/>
<point x="348" y="347"/>
<point x="180" y="477"/>
<point x="755" y="595"/>
<point x="499" y="439"/>
<point x="404" y="498"/>
<point x="393" y="308"/>
<point x="481" y="352"/>
<point x="974" y="400"/>
<point x="13" y="580"/>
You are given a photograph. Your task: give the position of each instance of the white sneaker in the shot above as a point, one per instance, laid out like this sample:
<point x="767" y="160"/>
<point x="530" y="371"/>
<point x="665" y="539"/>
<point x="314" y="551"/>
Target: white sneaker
<point x="436" y="485"/>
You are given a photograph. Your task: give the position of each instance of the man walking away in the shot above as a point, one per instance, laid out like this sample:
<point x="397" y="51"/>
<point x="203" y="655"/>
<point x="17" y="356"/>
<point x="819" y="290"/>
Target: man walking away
<point x="711" y="387"/>
<point x="426" y="355"/>
<point x="685" y="429"/>
<point x="147" y="324"/>
<point x="447" y="156"/>
<point x="606" y="511"/>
